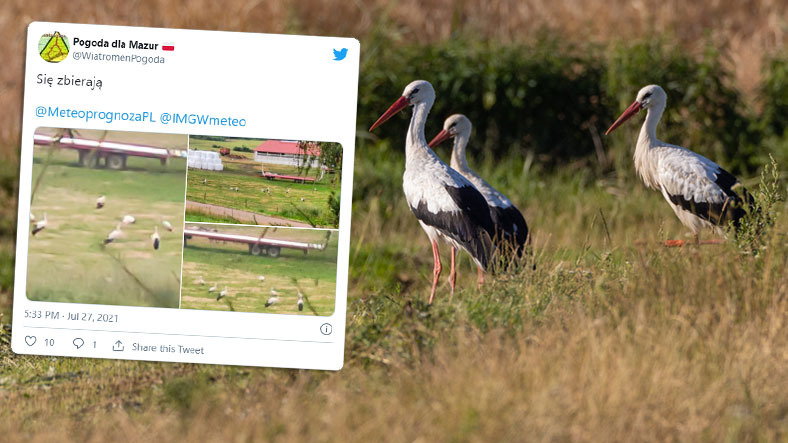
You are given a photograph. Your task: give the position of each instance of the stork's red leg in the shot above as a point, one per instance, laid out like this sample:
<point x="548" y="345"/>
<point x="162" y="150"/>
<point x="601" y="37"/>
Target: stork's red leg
<point x="453" y="271"/>
<point x="436" y="269"/>
<point x="674" y="243"/>
<point x="479" y="278"/>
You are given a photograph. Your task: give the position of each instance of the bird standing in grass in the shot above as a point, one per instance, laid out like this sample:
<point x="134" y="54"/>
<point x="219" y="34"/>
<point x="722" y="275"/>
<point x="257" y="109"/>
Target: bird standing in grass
<point x="40" y="225"/>
<point x="200" y="281"/>
<point x="113" y="235"/>
<point x="447" y="205"/>
<point x="222" y="294"/>
<point x="101" y="201"/>
<point x="261" y="278"/>
<point x="155" y="237"/>
<point x="300" y="303"/>
<point x="167" y="225"/>
<point x="272" y="300"/>
<point x="510" y="228"/>
<point x="213" y="288"/>
<point x="701" y="193"/>
<point x="128" y="219"/>
<point x="32" y="218"/>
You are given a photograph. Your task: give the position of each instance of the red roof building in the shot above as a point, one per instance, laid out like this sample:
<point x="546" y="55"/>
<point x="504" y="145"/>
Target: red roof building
<point x="284" y="152"/>
<point x="287" y="147"/>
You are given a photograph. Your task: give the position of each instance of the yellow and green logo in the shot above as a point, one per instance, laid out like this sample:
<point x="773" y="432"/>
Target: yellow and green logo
<point x="53" y="47"/>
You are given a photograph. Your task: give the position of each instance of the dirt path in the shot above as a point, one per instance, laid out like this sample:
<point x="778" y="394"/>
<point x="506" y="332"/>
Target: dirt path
<point x="243" y="216"/>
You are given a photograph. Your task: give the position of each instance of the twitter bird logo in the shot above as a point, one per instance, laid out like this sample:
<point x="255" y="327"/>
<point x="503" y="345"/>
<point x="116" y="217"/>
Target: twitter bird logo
<point x="340" y="54"/>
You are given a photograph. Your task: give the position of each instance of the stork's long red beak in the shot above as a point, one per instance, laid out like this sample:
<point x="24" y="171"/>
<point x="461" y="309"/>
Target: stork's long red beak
<point x="398" y="105"/>
<point x="626" y="115"/>
<point x="440" y="138"/>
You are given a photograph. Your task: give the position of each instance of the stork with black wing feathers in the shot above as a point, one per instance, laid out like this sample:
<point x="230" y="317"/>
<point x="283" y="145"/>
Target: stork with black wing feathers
<point x="447" y="205"/>
<point x="701" y="192"/>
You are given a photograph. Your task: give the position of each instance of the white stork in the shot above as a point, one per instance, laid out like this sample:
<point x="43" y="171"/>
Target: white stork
<point x="701" y="193"/>
<point x="101" y="201"/>
<point x="200" y="281"/>
<point x="32" y="218"/>
<point x="447" y="205"/>
<point x="213" y="288"/>
<point x="510" y="227"/>
<point x="128" y="219"/>
<point x="40" y="225"/>
<point x="155" y="238"/>
<point x="274" y="298"/>
<point x="167" y="225"/>
<point x="113" y="235"/>
<point x="300" y="303"/>
<point x="222" y="294"/>
<point x="261" y="278"/>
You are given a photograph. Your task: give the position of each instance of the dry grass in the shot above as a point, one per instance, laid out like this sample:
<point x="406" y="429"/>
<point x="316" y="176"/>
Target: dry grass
<point x="746" y="30"/>
<point x="605" y="341"/>
<point x="654" y="363"/>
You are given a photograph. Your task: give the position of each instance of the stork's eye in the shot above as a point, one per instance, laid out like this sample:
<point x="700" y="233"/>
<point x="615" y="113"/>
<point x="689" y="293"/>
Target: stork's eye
<point x="453" y="125"/>
<point x="415" y="91"/>
<point x="647" y="95"/>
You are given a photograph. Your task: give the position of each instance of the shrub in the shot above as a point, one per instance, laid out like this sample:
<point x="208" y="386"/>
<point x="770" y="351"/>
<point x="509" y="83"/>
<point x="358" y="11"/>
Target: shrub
<point x="541" y="97"/>
<point x="774" y="96"/>
<point x="555" y="100"/>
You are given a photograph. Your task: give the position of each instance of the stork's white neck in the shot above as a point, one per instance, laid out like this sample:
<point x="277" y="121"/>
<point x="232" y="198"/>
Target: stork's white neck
<point x="458" y="161"/>
<point x="649" y="130"/>
<point x="645" y="165"/>
<point x="416" y="143"/>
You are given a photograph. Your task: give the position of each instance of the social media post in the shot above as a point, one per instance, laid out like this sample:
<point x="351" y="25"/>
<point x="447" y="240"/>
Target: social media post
<point x="164" y="196"/>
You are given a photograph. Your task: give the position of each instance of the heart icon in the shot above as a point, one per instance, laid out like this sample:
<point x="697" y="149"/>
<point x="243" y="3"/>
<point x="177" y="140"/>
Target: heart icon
<point x="30" y="340"/>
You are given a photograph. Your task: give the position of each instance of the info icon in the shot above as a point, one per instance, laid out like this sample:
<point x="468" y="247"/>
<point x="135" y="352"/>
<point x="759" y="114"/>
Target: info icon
<point x="53" y="47"/>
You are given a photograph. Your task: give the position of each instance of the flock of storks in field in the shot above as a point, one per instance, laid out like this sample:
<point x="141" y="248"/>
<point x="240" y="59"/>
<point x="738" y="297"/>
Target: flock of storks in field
<point x="274" y="298"/>
<point x="155" y="238"/>
<point x="455" y="206"/>
<point x="115" y="234"/>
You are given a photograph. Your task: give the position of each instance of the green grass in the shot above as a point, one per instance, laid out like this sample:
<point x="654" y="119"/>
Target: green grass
<point x="283" y="200"/>
<point x="231" y="265"/>
<point x="67" y="262"/>
<point x="195" y="216"/>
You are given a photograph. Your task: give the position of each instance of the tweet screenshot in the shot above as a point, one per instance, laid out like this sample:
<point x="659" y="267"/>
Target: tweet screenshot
<point x="186" y="194"/>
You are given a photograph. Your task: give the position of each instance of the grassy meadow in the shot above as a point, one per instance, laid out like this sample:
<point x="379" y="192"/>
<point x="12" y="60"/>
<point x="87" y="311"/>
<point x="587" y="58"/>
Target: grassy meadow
<point x="230" y="265"/>
<point x="611" y="338"/>
<point x="67" y="261"/>
<point x="301" y="202"/>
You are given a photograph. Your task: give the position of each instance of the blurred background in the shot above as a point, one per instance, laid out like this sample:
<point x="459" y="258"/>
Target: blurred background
<point x="605" y="341"/>
<point x="540" y="80"/>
